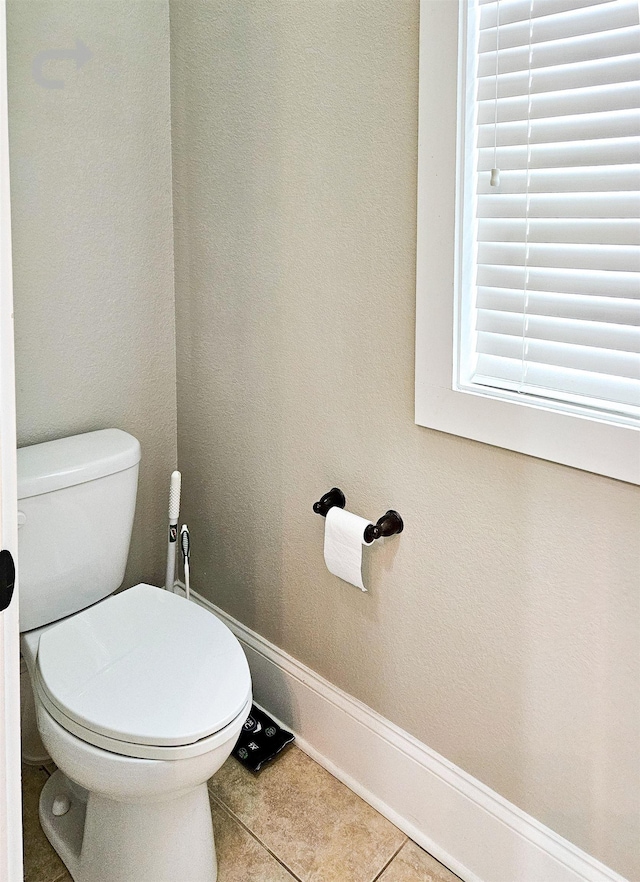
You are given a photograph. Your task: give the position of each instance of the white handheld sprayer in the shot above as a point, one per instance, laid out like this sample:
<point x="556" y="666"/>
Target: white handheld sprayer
<point x="174" y="514"/>
<point x="185" y="544"/>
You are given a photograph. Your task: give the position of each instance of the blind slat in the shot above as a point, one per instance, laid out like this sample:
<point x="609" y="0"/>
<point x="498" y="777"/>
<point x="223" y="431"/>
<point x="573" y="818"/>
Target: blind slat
<point x="581" y="126"/>
<point x="625" y="258"/>
<point x="572" y="76"/>
<point x="583" y="358"/>
<point x="580" y="231"/>
<point x="602" y="335"/>
<point x="550" y="205"/>
<point x="596" y="179"/>
<point x="615" y="43"/>
<point x="554" y="280"/>
<point x="561" y="102"/>
<point x="572" y="154"/>
<point x="582" y="307"/>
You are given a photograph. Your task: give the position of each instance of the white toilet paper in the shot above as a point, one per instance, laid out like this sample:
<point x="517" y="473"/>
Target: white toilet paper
<point x="343" y="541"/>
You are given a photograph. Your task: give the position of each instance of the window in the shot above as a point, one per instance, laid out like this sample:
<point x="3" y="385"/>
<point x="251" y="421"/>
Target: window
<point x="543" y="354"/>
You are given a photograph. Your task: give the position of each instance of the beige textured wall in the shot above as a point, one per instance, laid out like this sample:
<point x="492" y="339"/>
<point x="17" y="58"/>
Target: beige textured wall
<point x="92" y="235"/>
<point x="501" y="628"/>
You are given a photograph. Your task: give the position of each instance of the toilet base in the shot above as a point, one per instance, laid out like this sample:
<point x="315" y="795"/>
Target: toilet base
<point x="160" y="841"/>
<point x="65" y="831"/>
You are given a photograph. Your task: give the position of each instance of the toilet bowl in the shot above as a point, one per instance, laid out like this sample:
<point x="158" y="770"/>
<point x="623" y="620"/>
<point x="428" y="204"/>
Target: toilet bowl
<point x="139" y="700"/>
<point x="140" y="696"/>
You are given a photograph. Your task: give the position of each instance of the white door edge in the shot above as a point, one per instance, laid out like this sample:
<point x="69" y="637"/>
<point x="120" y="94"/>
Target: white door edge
<point x="11" y="868"/>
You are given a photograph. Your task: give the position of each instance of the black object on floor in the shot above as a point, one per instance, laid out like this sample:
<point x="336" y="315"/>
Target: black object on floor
<point x="260" y="741"/>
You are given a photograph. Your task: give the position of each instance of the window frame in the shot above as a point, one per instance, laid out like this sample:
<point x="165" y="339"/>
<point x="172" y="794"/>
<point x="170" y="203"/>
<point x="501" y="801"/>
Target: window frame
<point x="536" y="429"/>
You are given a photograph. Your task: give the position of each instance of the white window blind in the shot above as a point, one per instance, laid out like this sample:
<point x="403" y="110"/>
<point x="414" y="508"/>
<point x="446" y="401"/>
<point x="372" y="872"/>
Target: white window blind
<point x="549" y="241"/>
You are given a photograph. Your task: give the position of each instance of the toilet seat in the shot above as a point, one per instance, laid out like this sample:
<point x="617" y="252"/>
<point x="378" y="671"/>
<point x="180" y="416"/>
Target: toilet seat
<point x="144" y="673"/>
<point x="129" y="750"/>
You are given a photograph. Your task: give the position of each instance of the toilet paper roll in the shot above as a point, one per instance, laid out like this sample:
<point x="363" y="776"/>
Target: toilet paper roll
<point x="343" y="541"/>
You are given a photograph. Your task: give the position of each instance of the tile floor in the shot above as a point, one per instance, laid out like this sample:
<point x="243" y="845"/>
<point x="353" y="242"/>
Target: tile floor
<point x="294" y="822"/>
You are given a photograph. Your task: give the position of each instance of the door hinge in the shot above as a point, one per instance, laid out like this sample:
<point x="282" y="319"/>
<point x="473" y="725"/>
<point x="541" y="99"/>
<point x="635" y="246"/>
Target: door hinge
<point x="7" y="578"/>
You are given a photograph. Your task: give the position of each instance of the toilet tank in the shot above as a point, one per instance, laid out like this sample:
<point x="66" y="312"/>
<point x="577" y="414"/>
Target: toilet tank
<point x="76" y="502"/>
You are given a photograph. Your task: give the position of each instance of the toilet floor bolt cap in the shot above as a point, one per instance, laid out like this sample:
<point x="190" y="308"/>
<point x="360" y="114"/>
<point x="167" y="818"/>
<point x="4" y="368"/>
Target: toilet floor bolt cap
<point x="61" y="805"/>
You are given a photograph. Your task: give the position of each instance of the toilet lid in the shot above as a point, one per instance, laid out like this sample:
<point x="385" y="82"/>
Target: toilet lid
<point x="145" y="666"/>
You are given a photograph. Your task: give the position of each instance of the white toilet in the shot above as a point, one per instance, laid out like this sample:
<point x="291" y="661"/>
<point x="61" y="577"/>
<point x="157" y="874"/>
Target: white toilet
<point x="140" y="697"/>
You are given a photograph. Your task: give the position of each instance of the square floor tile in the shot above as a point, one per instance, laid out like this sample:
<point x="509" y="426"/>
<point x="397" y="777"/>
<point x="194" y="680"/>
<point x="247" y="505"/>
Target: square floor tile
<point x="41" y="863"/>
<point x="240" y="857"/>
<point x="315" y="825"/>
<point x="412" y="864"/>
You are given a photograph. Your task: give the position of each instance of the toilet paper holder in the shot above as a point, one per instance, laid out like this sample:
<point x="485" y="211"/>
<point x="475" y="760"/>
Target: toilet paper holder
<point x="388" y="525"/>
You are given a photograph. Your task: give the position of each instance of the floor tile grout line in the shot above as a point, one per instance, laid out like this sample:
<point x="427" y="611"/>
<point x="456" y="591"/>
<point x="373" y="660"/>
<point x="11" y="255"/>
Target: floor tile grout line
<point x="254" y="836"/>
<point x="391" y="860"/>
<point x="228" y="811"/>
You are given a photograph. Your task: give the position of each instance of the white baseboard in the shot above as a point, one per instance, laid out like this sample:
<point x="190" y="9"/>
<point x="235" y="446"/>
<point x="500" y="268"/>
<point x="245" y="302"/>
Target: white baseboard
<point x="467" y="826"/>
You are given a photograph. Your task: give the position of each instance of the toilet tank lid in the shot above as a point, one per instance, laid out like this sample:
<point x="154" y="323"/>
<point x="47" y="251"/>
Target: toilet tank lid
<point x="53" y="465"/>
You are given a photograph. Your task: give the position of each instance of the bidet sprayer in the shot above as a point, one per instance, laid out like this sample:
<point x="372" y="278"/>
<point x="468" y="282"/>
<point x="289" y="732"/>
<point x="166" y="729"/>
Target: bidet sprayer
<point x="174" y="514"/>
<point x="185" y="544"/>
